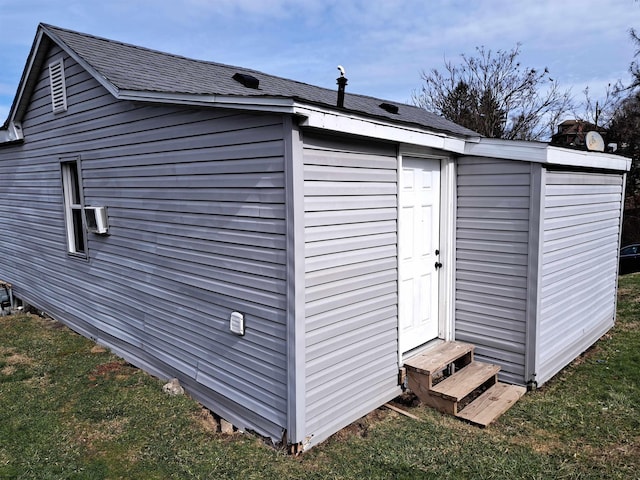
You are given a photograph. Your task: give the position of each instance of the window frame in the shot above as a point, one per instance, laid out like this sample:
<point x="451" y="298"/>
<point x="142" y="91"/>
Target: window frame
<point x="73" y="205"/>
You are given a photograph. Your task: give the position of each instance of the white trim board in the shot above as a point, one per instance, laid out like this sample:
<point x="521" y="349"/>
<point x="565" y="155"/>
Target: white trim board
<point x="351" y="123"/>
<point x="543" y="153"/>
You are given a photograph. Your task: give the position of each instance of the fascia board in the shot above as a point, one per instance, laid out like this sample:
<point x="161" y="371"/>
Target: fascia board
<point x="581" y="158"/>
<point x="545" y="154"/>
<point x="325" y="119"/>
<point x="11" y="130"/>
<point x="267" y="104"/>
<point x="507" y="149"/>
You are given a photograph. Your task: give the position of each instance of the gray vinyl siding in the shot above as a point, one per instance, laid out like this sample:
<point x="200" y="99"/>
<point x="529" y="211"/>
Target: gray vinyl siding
<point x="351" y="300"/>
<point x="492" y="241"/>
<point x="195" y="200"/>
<point x="579" y="265"/>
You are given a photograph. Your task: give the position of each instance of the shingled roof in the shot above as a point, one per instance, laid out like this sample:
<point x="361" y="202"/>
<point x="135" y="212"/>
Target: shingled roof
<point x="132" y="68"/>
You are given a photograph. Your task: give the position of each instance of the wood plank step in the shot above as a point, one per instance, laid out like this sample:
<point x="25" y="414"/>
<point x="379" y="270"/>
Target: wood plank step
<point x="438" y="357"/>
<point x="465" y="381"/>
<point x="492" y="403"/>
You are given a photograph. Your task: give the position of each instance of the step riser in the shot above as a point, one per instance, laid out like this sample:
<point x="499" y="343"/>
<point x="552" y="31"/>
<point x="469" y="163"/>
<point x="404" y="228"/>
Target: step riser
<point x="462" y="383"/>
<point x="425" y="397"/>
<point x="442" y="403"/>
<point x="439" y="357"/>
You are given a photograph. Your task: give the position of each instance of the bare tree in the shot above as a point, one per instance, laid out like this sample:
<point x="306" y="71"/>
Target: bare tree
<point x="495" y="96"/>
<point x="602" y="111"/>
<point x="634" y="68"/>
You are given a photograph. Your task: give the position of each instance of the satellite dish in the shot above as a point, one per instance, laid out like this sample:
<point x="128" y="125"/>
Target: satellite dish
<point x="594" y="142"/>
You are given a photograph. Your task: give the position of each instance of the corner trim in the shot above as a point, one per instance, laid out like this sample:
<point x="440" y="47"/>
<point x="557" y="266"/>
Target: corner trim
<point x="295" y="317"/>
<point x="537" y="189"/>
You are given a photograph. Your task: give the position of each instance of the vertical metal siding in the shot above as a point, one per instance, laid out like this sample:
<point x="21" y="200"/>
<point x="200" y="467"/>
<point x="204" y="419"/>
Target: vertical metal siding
<point x="579" y="265"/>
<point x="197" y="230"/>
<point x="351" y="281"/>
<point x="492" y="234"/>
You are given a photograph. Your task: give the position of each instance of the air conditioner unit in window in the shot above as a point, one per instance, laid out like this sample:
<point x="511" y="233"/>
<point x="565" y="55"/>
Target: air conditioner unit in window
<point x="97" y="220"/>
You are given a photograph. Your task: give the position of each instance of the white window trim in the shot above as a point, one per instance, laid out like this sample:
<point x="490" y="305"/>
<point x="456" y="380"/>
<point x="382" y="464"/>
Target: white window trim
<point x="70" y="206"/>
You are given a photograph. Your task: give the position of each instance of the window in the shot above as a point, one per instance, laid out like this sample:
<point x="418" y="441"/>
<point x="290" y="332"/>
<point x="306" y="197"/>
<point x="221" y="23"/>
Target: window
<point x="58" y="86"/>
<point x="73" y="207"/>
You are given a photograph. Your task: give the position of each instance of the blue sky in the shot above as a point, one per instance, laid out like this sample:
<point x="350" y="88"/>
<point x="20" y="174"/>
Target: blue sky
<point x="383" y="44"/>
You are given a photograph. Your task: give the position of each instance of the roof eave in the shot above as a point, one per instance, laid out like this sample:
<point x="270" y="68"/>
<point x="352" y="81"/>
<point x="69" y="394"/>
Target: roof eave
<point x="314" y="116"/>
<point x="351" y="123"/>
<point x="265" y="103"/>
<point x="546" y="154"/>
<point x="11" y="130"/>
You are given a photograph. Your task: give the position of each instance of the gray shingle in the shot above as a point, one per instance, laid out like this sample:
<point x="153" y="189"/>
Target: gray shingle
<point x="129" y="67"/>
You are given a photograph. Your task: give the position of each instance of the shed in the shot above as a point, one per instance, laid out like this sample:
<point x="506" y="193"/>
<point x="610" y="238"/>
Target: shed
<point x="281" y="255"/>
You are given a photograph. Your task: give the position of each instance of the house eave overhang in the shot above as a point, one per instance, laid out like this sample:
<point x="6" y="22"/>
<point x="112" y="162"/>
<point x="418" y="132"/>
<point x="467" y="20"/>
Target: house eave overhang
<point x="12" y="133"/>
<point x="11" y="130"/>
<point x="545" y="154"/>
<point x="264" y="104"/>
<point x="312" y="116"/>
<point x="348" y="122"/>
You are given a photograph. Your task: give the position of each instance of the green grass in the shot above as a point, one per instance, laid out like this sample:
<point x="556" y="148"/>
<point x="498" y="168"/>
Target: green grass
<point x="68" y="411"/>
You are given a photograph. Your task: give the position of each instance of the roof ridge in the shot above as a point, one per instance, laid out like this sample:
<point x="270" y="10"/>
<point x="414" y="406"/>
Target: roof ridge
<point x="123" y="65"/>
<point x="131" y="45"/>
<point x="219" y="64"/>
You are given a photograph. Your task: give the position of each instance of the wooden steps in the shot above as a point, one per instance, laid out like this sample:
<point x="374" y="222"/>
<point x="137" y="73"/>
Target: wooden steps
<point x="446" y="377"/>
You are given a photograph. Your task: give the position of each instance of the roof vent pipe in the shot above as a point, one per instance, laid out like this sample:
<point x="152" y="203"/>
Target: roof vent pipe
<point x="342" y="82"/>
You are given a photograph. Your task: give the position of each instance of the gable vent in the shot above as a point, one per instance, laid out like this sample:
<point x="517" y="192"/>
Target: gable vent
<point x="389" y="108"/>
<point x="58" y="87"/>
<point x="247" y="80"/>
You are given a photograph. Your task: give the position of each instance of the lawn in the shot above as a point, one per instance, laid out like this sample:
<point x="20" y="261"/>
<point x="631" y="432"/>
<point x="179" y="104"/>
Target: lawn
<point x="71" y="410"/>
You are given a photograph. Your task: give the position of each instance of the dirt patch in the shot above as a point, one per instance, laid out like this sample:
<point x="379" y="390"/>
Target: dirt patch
<point x="362" y="426"/>
<point x="614" y="452"/>
<point x="12" y="361"/>
<point x="55" y="325"/>
<point x="589" y="354"/>
<point x="407" y="399"/>
<point x="98" y="349"/>
<point x="17" y="359"/>
<point x="206" y="420"/>
<point x="628" y="326"/>
<point x="106" y="431"/>
<point x="111" y="370"/>
<point x="624" y="291"/>
<point x="4" y="351"/>
<point x="540" y="441"/>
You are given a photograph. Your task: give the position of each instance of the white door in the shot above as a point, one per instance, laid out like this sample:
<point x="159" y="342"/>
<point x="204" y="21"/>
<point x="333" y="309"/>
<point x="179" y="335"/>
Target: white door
<point x="418" y="241"/>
